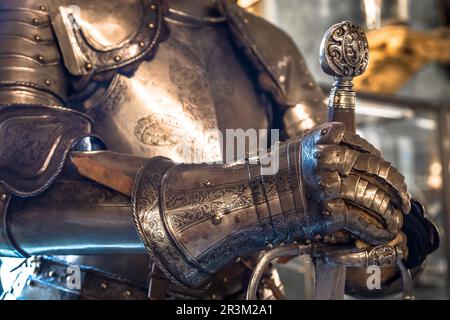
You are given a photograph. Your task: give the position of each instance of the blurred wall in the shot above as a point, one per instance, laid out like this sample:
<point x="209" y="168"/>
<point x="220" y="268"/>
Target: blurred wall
<point x="307" y="20"/>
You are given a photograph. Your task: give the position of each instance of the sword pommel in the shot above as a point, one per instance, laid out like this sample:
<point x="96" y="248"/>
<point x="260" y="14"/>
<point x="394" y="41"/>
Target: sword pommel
<point x="344" y="54"/>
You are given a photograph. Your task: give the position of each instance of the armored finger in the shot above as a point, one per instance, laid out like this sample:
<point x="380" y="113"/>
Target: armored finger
<point x="329" y="183"/>
<point x="343" y="215"/>
<point x="375" y="200"/>
<point x="363" y="194"/>
<point x="336" y="158"/>
<point x="329" y="133"/>
<point x="355" y="141"/>
<point x="385" y="173"/>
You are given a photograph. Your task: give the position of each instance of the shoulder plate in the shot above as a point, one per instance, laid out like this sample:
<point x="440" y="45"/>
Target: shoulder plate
<point x="97" y="36"/>
<point x="34" y="142"/>
<point x="282" y="68"/>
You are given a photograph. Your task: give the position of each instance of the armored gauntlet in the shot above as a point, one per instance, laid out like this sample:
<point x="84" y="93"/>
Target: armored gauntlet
<point x="195" y="219"/>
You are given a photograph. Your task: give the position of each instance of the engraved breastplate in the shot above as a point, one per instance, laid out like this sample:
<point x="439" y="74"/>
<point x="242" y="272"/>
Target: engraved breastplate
<point x="197" y="81"/>
<point x="173" y="105"/>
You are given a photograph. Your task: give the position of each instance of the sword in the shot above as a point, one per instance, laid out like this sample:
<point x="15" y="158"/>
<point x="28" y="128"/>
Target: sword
<point x="344" y="54"/>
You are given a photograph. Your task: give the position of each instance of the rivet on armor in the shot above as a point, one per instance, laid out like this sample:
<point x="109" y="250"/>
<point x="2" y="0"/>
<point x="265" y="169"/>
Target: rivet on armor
<point x="104" y="285"/>
<point x="37" y="38"/>
<point x="217" y="219"/>
<point x="151" y="25"/>
<point x="282" y="79"/>
<point x="127" y="293"/>
<point x="269" y="246"/>
<point x="310" y="84"/>
<point x="318" y="155"/>
<point x="153" y="7"/>
<point x="89" y="66"/>
<point x="52" y="274"/>
<point x="35" y="21"/>
<point x="40" y="58"/>
<point x="42" y="8"/>
<point x="3" y="197"/>
<point x="141" y="44"/>
<point x="48" y="82"/>
<point x="117" y="58"/>
<point x="238" y="259"/>
<point x="324" y="132"/>
<point x="207" y="183"/>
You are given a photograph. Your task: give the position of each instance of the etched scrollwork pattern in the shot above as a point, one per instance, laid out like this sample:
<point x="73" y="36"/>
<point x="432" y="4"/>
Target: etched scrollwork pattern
<point x="152" y="231"/>
<point x="186" y="208"/>
<point x="347" y="50"/>
<point x="382" y="256"/>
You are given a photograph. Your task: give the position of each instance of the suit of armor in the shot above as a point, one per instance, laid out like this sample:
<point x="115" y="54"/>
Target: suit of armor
<point x="142" y="78"/>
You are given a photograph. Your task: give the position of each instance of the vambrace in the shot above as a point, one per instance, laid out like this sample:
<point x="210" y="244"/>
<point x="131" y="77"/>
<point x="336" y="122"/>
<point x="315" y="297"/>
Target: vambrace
<point x="74" y="217"/>
<point x="195" y="219"/>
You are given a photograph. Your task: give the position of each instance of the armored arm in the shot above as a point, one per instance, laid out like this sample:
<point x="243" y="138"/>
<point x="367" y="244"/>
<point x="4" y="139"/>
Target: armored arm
<point x="37" y="132"/>
<point x="194" y="219"/>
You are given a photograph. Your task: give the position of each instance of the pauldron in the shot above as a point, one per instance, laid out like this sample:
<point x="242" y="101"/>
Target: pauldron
<point x="35" y="141"/>
<point x="88" y="42"/>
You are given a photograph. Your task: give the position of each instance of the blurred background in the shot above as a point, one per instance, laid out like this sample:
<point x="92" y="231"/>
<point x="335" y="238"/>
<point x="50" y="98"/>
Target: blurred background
<point x="403" y="106"/>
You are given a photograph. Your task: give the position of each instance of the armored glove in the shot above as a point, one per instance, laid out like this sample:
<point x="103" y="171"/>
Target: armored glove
<point x="194" y="219"/>
<point x="420" y="236"/>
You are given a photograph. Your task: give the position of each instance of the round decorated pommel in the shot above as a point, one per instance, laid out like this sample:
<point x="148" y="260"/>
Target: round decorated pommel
<point x="344" y="51"/>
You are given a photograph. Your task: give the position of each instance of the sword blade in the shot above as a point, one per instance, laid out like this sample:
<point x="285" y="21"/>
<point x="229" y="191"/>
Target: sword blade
<point x="329" y="281"/>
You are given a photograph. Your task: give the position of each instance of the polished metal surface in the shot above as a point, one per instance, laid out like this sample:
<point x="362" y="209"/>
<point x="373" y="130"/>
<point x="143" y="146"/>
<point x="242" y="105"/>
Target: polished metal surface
<point x="35" y="141"/>
<point x="267" y="258"/>
<point x="75" y="217"/>
<point x="31" y="68"/>
<point x="195" y="84"/>
<point x="196" y="218"/>
<point x="124" y="32"/>
<point x="344" y="54"/>
<point x="159" y="84"/>
<point x="7" y="246"/>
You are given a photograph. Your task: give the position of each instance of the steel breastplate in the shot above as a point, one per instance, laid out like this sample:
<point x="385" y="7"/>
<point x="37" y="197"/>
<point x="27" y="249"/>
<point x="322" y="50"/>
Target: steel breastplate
<point x="172" y="104"/>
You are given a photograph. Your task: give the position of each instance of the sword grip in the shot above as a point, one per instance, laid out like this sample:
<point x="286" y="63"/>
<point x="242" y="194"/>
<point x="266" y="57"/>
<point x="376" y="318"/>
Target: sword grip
<point x="347" y="117"/>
